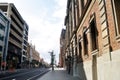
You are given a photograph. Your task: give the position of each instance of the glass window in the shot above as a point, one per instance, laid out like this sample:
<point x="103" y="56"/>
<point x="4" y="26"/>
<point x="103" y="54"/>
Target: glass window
<point x="85" y="41"/>
<point x="93" y="35"/>
<point x="80" y="50"/>
<point x="1" y="37"/>
<point x="2" y="27"/>
<point x="116" y="5"/>
<point x="0" y="48"/>
<point x="76" y="11"/>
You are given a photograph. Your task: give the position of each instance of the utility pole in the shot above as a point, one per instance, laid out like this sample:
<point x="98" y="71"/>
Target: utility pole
<point x="52" y="59"/>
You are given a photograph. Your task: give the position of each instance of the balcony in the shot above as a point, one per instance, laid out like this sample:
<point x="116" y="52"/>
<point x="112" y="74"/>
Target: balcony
<point x="17" y="20"/>
<point x="16" y="35"/>
<point x="16" y="27"/>
<point x="15" y="43"/>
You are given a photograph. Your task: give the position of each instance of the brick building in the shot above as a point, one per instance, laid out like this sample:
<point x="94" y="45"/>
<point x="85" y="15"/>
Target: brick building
<point x="62" y="49"/>
<point x="93" y="39"/>
<point x="33" y="56"/>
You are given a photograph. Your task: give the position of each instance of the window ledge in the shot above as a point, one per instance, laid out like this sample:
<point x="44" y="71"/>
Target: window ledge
<point x="118" y="38"/>
<point x="94" y="52"/>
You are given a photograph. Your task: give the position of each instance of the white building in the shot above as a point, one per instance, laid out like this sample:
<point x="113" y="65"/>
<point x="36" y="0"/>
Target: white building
<point x="25" y="42"/>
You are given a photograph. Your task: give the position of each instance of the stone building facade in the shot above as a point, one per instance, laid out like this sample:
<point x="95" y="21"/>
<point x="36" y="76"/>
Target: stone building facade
<point x="93" y="39"/>
<point x="62" y="49"/>
<point x="33" y="56"/>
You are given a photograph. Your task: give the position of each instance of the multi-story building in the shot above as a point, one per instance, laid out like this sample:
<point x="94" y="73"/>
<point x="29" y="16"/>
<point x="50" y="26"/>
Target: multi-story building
<point x="33" y="56"/>
<point x="71" y="37"/>
<point x="4" y="35"/>
<point x="62" y="49"/>
<point x="36" y="55"/>
<point x="29" y="52"/>
<point x="93" y="39"/>
<point x="24" y="58"/>
<point x="14" y="53"/>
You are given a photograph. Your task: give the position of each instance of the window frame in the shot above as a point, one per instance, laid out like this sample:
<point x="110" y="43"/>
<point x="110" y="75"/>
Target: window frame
<point x="80" y="59"/>
<point x="117" y="27"/>
<point x="93" y="18"/>
<point x="85" y="46"/>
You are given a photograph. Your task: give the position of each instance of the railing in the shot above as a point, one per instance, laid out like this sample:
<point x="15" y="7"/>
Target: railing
<point x="15" y="43"/>
<point x="16" y="35"/>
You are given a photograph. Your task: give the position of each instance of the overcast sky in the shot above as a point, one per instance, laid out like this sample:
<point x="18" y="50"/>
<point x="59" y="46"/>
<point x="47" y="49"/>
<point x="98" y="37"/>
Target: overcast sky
<point x="45" y="19"/>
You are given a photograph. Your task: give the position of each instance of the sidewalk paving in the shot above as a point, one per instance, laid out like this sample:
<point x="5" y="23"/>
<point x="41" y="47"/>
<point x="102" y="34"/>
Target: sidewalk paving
<point x="58" y="74"/>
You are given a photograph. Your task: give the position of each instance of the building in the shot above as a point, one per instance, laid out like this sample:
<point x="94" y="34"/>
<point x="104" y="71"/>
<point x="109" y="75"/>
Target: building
<point x="93" y="39"/>
<point x="33" y="56"/>
<point x="36" y="55"/>
<point x="4" y="35"/>
<point x="44" y="64"/>
<point x="62" y="49"/>
<point x="29" y="54"/>
<point x="24" y="58"/>
<point x="14" y="52"/>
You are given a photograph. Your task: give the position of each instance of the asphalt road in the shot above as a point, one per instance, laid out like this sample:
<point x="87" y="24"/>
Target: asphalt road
<point x="26" y="74"/>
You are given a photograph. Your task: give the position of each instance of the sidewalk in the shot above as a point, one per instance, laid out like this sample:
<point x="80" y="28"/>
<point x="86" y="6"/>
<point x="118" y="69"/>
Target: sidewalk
<point x="58" y="74"/>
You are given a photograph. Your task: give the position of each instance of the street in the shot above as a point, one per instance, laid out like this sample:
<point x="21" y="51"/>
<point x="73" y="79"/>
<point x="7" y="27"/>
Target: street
<point x="24" y="74"/>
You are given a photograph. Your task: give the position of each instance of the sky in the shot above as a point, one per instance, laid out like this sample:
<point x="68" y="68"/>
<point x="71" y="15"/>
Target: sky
<point x="46" y="20"/>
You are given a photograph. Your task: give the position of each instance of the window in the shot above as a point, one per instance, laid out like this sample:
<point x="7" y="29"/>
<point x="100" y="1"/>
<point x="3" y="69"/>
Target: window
<point x="16" y="39"/>
<point x="80" y="50"/>
<point x="94" y="35"/>
<point x="24" y="53"/>
<point x="2" y="27"/>
<point x="0" y="48"/>
<point x="85" y="41"/>
<point x="25" y="42"/>
<point x="3" y="8"/>
<point x="116" y="7"/>
<point x="1" y="37"/>
<point x="76" y="11"/>
<point x="70" y="23"/>
<point x="81" y="6"/>
<point x="25" y="48"/>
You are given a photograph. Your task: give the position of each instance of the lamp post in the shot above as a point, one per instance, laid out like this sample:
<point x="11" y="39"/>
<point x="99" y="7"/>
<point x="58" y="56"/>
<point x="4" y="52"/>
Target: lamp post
<point x="52" y="59"/>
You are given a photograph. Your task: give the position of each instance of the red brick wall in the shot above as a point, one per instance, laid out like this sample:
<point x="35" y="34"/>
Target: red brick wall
<point x="111" y="26"/>
<point x="113" y="42"/>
